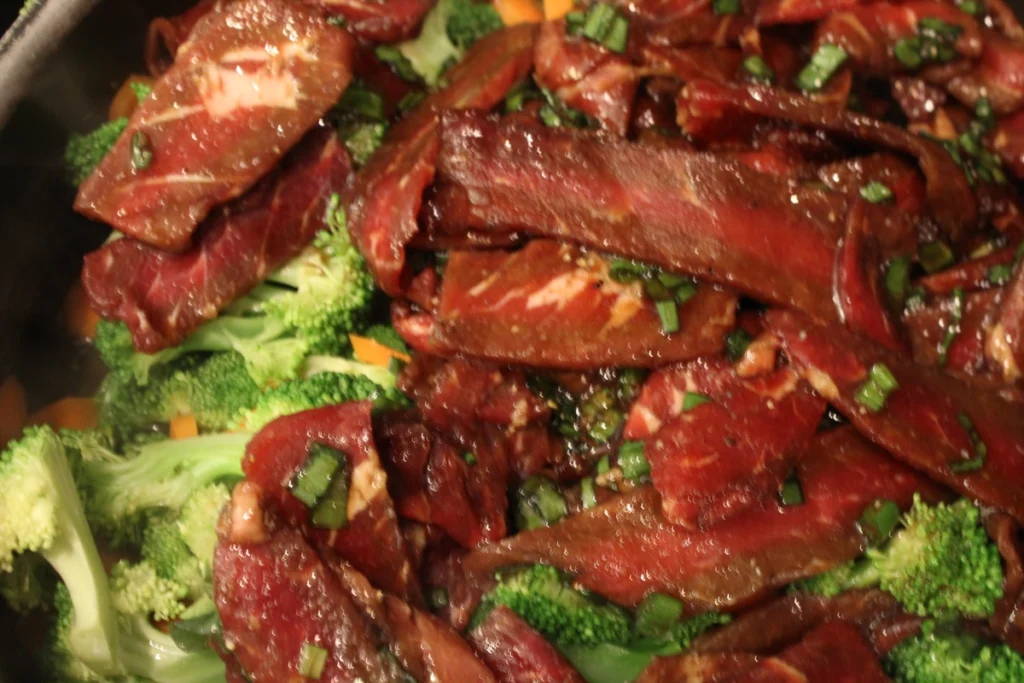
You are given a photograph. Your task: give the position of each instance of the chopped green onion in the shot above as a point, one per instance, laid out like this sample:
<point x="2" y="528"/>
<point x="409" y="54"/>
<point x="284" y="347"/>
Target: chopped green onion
<point x="604" y="465"/>
<point x="1000" y="274"/>
<point x="312" y="660"/>
<point x="879" y="520"/>
<point x="618" y="35"/>
<point x="588" y="494"/>
<point x="668" y="312"/>
<point x="972" y="465"/>
<point x="692" y="399"/>
<point x="933" y="26"/>
<point x="685" y="292"/>
<point x="605" y="424"/>
<point x="956" y="313"/>
<point x="437" y="598"/>
<point x="758" y="69"/>
<point x="313" y="478"/>
<point x="549" y="116"/>
<point x="539" y="503"/>
<point x="980" y="449"/>
<point x="876" y="192"/>
<point x="632" y="461"/>
<point x="393" y="57"/>
<point x="874" y="392"/>
<point x="824" y="63"/>
<point x="791" y="493"/>
<point x="574" y="22"/>
<point x="142" y="153"/>
<point x="934" y="256"/>
<point x="972" y="7"/>
<point x="897" y="279"/>
<point x="656" y="290"/>
<point x="469" y="458"/>
<point x="672" y="280"/>
<point x="598" y="21"/>
<point x="984" y="114"/>
<point x="908" y="52"/>
<point x="626" y="270"/>
<point x="656" y="614"/>
<point x="736" y="343"/>
<point x="332" y="510"/>
<point x="726" y="6"/>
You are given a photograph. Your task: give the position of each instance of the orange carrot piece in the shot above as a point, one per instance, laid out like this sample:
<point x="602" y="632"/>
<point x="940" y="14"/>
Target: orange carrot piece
<point x="13" y="409"/>
<point x="556" y="9"/>
<point x="373" y="352"/>
<point x="514" y="12"/>
<point x="68" y="413"/>
<point x="79" y="319"/>
<point x="184" y="427"/>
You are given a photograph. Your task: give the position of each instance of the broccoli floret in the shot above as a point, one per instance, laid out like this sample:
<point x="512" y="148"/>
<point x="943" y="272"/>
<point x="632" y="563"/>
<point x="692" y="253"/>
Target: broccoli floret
<point x="362" y="139"/>
<point x="687" y="630"/>
<point x="936" y="656"/>
<point x="546" y="599"/>
<point x="29" y="585"/>
<point x="137" y="589"/>
<point x="386" y="335"/>
<point x="383" y="377"/>
<point x="448" y="30"/>
<point x="940" y="564"/>
<point x="165" y="549"/>
<point x="144" y="652"/>
<point x="121" y="491"/>
<point x="84" y="152"/>
<point x="40" y="511"/>
<point x="322" y="389"/>
<point x="198" y="522"/>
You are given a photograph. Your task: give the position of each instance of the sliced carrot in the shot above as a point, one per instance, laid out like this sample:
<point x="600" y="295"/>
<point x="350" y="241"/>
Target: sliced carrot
<point x="67" y="413"/>
<point x="13" y="409"/>
<point x="184" y="427"/>
<point x="556" y="9"/>
<point x="373" y="352"/>
<point x="514" y="12"/>
<point x="79" y="319"/>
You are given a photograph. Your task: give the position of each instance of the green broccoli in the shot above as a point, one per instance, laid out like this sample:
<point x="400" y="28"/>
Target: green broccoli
<point x="143" y="652"/>
<point x="448" y="30"/>
<point x="137" y="589"/>
<point x="937" y="656"/>
<point x="121" y="492"/>
<point x="84" y="152"/>
<point x="29" y="584"/>
<point x="165" y="549"/>
<point x="40" y="511"/>
<point x="383" y="377"/>
<point x="386" y="335"/>
<point x="545" y="598"/>
<point x="940" y="564"/>
<point x="198" y="522"/>
<point x="315" y="391"/>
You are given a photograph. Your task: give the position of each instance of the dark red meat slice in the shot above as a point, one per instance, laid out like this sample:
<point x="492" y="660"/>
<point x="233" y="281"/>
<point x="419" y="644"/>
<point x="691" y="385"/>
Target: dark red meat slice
<point x="688" y="22"/>
<point x="926" y="328"/>
<point x="385" y="198"/>
<point x="918" y="99"/>
<point x="783" y="622"/>
<point x="1006" y="338"/>
<point x="664" y="10"/>
<point x="1009" y="142"/>
<point x="371" y="541"/>
<point x="850" y="175"/>
<point x="164" y="297"/>
<point x="687" y="64"/>
<point x="586" y="76"/>
<point x="950" y="197"/>
<point x="384" y="21"/>
<point x="999" y="75"/>
<point x="771" y="12"/>
<point x="698" y="668"/>
<point x="1008" y="621"/>
<point x="833" y="653"/>
<point x="554" y="305"/>
<point x="166" y="34"/>
<point x="517" y="653"/>
<point x="626" y="548"/>
<point x="254" y="76"/>
<point x="920" y="421"/>
<point x="721" y="458"/>
<point x="869" y="32"/>
<point x="275" y="594"/>
<point x="967" y="275"/>
<point x="687" y="212"/>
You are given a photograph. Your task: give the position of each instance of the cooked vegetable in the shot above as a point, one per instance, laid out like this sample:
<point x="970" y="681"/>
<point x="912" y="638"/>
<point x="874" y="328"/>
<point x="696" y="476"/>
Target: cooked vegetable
<point x="939" y="655"/>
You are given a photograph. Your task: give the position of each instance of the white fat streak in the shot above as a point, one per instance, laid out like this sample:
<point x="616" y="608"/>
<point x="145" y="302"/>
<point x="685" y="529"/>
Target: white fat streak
<point x="368" y="481"/>
<point x="651" y="422"/>
<point x="485" y="284"/>
<point x="173" y="114"/>
<point x="191" y="178"/>
<point x="224" y="91"/>
<point x="559" y="291"/>
<point x="998" y="348"/>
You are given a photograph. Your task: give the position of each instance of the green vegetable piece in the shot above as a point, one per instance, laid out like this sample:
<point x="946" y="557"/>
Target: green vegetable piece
<point x="142" y="152"/>
<point x="437" y="598"/>
<point x="725" y="6"/>
<point x="632" y="461"/>
<point x="193" y="634"/>
<point x="332" y="510"/>
<point x="824" y="63"/>
<point x="311" y="481"/>
<point x="399" y="63"/>
<point x="312" y="660"/>
<point x="626" y="270"/>
<point x="692" y="399"/>
<point x="588" y="494"/>
<point x="469" y="458"/>
<point x="758" y="69"/>
<point x="657" y="613"/>
<point x="908" y="52"/>
<point x="878" y="520"/>
<point x="539" y="503"/>
<point x="736" y="343"/>
<point x="978" y="445"/>
<point x="574" y="22"/>
<point x="791" y="493"/>
<point x="668" y="313"/>
<point x="685" y="292"/>
<point x="598" y="21"/>
<point x="935" y="256"/>
<point x="876" y="192"/>
<point x="972" y="7"/>
<point x="549" y="117"/>
<point x="1000" y="274"/>
<point x="897" y="279"/>
<point x="617" y="35"/>
<point x="956" y="313"/>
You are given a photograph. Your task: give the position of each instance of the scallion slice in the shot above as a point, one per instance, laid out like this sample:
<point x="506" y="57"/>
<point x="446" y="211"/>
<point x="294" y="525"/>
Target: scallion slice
<point x="668" y="312"/>
<point x="685" y="292"/>
<point x="758" y="69"/>
<point x="725" y="6"/>
<point x="934" y="256"/>
<point x="312" y="660"/>
<point x="897" y="279"/>
<point x="632" y="461"/>
<point x="879" y="520"/>
<point x="956" y="313"/>
<point x="791" y="493"/>
<point x="736" y="343"/>
<point x="977" y="444"/>
<point x="692" y="399"/>
<point x="873" y="393"/>
<point x="824" y="63"/>
<point x="312" y="480"/>
<point x="588" y="494"/>
<point x="617" y="36"/>
<point x="598" y="21"/>
<point x="332" y="510"/>
<point x="142" y="152"/>
<point x="469" y="458"/>
<point x="539" y="503"/>
<point x="656" y="614"/>
<point x="876" y="192"/>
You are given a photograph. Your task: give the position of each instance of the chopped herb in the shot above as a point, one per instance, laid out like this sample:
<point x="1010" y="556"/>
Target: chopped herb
<point x="897" y="279"/>
<point x="656" y="614"/>
<point x="618" y="35"/>
<point x="726" y="6"/>
<point x="879" y="520"/>
<point x="692" y="399"/>
<point x="550" y="117"/>
<point x="876" y="192"/>
<point x="632" y="461"/>
<point x="980" y="449"/>
<point x="469" y="458"/>
<point x="574" y="22"/>
<point x="736" y="343"/>
<point x="311" y="481"/>
<point x="934" y="256"/>
<point x="876" y="389"/>
<point x="588" y="494"/>
<point x="686" y="291"/>
<point x="791" y="493"/>
<point x="956" y="313"/>
<point x="598" y="21"/>
<point x="312" y="660"/>
<point x="668" y="313"/>
<point x="984" y="114"/>
<point x="604" y="465"/>
<point x="142" y="153"/>
<point x="539" y="503"/>
<point x="758" y="69"/>
<point x="908" y="52"/>
<point x="1000" y="274"/>
<point x="972" y="7"/>
<point x="824" y="63"/>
